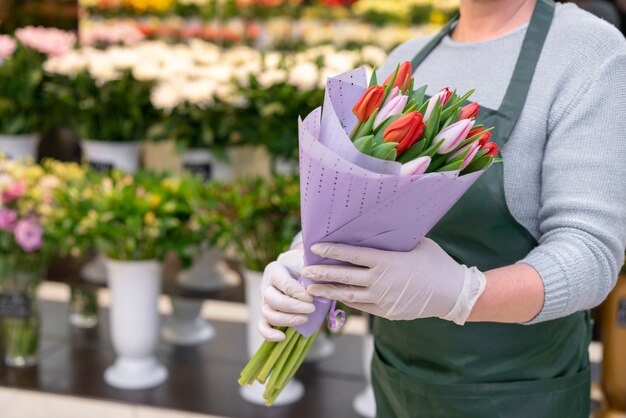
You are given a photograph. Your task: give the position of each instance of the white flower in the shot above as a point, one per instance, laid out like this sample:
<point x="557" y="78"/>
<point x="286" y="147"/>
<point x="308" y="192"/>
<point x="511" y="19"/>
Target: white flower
<point x="272" y="60"/>
<point x="304" y="76"/>
<point x="200" y="92"/>
<point x="146" y="71"/>
<point x="122" y="58"/>
<point x="373" y="55"/>
<point x="69" y="64"/>
<point x="342" y="61"/>
<point x="271" y="78"/>
<point x="166" y="96"/>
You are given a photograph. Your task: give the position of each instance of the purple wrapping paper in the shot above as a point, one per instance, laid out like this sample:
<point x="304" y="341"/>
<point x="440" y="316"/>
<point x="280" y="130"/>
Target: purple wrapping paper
<point x="350" y="198"/>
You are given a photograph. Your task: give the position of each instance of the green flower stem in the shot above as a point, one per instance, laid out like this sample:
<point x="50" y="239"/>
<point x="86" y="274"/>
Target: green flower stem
<point x="280" y="365"/>
<point x="250" y="372"/>
<point x="356" y="130"/>
<point x="296" y="365"/>
<point x="276" y="352"/>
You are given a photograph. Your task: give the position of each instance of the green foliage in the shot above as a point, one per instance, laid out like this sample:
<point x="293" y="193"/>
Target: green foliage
<point x="117" y="110"/>
<point x="258" y="217"/>
<point x="20" y="92"/>
<point x="136" y="218"/>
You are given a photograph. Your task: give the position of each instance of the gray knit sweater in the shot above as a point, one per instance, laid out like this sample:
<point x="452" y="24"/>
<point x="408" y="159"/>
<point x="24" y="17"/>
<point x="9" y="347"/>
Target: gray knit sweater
<point x="565" y="164"/>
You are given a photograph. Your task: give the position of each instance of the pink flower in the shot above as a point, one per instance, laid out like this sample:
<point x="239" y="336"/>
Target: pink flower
<point x="29" y="235"/>
<point x="453" y="135"/>
<point x="14" y="191"/>
<point x="8" y="218"/>
<point x="49" y="41"/>
<point x="7" y="47"/>
<point x="442" y="97"/>
<point x="473" y="148"/>
<point x="415" y="167"/>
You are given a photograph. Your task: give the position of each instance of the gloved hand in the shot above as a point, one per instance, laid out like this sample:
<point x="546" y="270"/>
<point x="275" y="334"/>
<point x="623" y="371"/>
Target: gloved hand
<point x="423" y="283"/>
<point x="285" y="301"/>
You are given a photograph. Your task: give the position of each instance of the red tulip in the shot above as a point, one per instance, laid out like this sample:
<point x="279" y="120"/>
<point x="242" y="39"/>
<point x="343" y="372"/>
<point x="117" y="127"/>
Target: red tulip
<point x="483" y="139"/>
<point x="492" y="149"/>
<point x="368" y="103"/>
<point x="405" y="131"/>
<point x="403" y="78"/>
<point x="470" y="111"/>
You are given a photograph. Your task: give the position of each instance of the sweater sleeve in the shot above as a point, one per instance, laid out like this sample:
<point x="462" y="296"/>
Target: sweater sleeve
<point x="582" y="214"/>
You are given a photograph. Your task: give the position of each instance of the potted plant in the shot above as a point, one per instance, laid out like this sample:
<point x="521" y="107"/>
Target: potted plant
<point x="21" y="85"/>
<point x="103" y="102"/>
<point x="135" y="222"/>
<point x="27" y="216"/>
<point x="256" y="221"/>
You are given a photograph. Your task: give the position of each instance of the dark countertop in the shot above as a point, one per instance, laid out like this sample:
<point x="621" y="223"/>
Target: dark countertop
<point x="202" y="379"/>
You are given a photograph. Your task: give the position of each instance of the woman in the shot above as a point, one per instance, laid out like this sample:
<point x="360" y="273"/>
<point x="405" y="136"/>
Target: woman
<point x="544" y="233"/>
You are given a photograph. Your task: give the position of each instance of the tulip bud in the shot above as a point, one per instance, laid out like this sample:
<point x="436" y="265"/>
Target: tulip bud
<point x="492" y="149"/>
<point x="483" y="139"/>
<point x="453" y="135"/>
<point x="470" y="111"/>
<point x="442" y="97"/>
<point x="393" y="108"/>
<point x="471" y="149"/>
<point x="395" y="92"/>
<point x="368" y="103"/>
<point x="405" y="131"/>
<point x="415" y="167"/>
<point x="403" y="77"/>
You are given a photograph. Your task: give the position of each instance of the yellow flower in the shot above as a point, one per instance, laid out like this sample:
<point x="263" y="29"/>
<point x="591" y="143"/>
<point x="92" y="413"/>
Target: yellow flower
<point x="149" y="218"/>
<point x="155" y="201"/>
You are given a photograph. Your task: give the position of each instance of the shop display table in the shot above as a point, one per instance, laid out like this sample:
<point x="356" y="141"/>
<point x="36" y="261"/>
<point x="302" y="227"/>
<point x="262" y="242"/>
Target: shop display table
<point x="202" y="378"/>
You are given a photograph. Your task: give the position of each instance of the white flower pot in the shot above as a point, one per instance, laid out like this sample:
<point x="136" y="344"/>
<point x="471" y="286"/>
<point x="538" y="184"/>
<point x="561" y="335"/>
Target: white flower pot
<point x="105" y="155"/>
<point x="19" y="146"/>
<point x="365" y="403"/>
<point x="205" y="273"/>
<point x="135" y="288"/>
<point x="294" y="390"/>
<point x="206" y="164"/>
<point x="186" y="326"/>
<point x="95" y="270"/>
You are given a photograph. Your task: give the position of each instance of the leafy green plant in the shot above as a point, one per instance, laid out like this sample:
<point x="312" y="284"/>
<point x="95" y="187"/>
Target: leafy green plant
<point x="140" y="218"/>
<point x="116" y="109"/>
<point x="257" y="217"/>
<point x="20" y="92"/>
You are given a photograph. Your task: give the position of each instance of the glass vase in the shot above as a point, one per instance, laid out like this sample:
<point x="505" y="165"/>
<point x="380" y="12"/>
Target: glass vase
<point x="84" y="308"/>
<point x="19" y="278"/>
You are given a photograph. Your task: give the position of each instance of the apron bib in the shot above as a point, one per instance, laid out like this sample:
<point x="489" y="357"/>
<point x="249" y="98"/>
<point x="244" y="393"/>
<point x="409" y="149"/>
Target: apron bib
<point x="435" y="368"/>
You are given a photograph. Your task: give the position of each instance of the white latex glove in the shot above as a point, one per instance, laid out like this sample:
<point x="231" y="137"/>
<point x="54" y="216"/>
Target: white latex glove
<point x="285" y="301"/>
<point x="423" y="283"/>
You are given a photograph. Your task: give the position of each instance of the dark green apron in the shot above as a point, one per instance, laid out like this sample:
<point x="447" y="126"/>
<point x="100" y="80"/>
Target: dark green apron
<point x="434" y="368"/>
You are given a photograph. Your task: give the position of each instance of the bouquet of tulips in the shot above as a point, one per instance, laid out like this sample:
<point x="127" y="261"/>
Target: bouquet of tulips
<point x="379" y="167"/>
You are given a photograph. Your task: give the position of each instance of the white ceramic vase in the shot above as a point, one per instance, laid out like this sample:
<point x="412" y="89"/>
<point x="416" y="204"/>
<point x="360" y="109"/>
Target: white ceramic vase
<point x="134" y="319"/>
<point x="364" y="403"/>
<point x="186" y="326"/>
<point x="294" y="390"/>
<point x="18" y="146"/>
<point x="105" y="155"/>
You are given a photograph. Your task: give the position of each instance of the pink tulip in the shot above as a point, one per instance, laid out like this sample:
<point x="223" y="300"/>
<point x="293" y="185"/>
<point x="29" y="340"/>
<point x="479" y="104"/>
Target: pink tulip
<point x="394" y="107"/>
<point x="415" y="167"/>
<point x="395" y="92"/>
<point x="29" y="235"/>
<point x="442" y="97"/>
<point x="7" y="47"/>
<point x="473" y="147"/>
<point x="453" y="135"/>
<point x="8" y="218"/>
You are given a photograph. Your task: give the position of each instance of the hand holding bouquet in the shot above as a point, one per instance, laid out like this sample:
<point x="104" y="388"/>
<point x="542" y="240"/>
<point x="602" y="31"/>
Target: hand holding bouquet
<point x="379" y="167"/>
